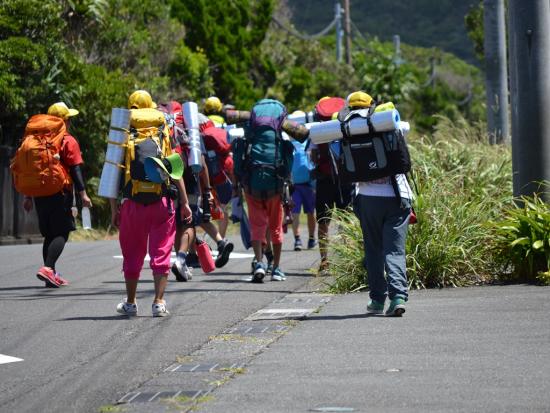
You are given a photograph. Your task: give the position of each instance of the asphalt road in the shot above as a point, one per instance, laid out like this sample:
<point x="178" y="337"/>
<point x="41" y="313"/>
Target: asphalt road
<point x="79" y="354"/>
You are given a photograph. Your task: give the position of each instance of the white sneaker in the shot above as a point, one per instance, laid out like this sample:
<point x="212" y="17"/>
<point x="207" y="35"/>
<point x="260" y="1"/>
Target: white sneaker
<point x="181" y="270"/>
<point x="159" y="310"/>
<point x="127" y="308"/>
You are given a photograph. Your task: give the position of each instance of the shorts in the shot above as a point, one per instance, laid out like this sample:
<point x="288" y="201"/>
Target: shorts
<point x="196" y="213"/>
<point x="303" y="195"/>
<point x="55" y="216"/>
<point x="224" y="192"/>
<point x="329" y="195"/>
<point x="264" y="214"/>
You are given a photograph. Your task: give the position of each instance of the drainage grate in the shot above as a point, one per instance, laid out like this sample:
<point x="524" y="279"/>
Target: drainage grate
<point x="281" y="314"/>
<point x="257" y="329"/>
<point x="147" y="397"/>
<point x="206" y="367"/>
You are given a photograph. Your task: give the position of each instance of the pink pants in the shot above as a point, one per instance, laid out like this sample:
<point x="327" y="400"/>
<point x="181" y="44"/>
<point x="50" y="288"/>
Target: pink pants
<point x="264" y="213"/>
<point x="139" y="224"/>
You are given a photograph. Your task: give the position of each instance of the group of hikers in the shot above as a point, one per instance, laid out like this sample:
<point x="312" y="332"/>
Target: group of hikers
<point x="273" y="168"/>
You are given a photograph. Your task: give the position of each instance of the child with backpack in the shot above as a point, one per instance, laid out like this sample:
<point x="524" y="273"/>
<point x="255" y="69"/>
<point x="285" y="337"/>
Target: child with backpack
<point x="46" y="168"/>
<point x="262" y="165"/>
<point x="146" y="218"/>
<point x="303" y="194"/>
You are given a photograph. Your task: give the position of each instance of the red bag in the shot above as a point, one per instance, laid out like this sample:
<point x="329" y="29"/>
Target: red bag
<point x="205" y="257"/>
<point x="216" y="210"/>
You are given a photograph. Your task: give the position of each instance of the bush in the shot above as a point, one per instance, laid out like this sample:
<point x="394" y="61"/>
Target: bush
<point x="460" y="184"/>
<point x="521" y="241"/>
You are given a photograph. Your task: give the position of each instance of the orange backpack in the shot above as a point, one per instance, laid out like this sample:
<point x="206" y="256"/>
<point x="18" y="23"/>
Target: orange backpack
<point x="36" y="167"/>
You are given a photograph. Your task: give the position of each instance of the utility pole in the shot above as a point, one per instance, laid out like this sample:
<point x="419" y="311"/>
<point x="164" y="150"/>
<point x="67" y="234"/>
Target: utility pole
<point x="347" y="29"/>
<point x="529" y="37"/>
<point x="496" y="74"/>
<point x="397" y="60"/>
<point x="339" y="31"/>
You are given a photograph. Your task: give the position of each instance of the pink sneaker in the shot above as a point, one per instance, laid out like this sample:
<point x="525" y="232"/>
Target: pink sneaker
<point x="47" y="275"/>
<point x="61" y="281"/>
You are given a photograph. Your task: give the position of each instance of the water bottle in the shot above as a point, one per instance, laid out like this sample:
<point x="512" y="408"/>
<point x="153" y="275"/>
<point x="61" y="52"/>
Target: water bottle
<point x="86" y="218"/>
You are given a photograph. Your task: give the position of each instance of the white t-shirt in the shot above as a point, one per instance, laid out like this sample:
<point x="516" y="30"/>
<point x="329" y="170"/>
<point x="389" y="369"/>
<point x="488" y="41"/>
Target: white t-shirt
<point x="382" y="187"/>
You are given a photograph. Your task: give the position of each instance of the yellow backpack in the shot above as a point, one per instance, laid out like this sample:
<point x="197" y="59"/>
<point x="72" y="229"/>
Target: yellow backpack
<point x="149" y="136"/>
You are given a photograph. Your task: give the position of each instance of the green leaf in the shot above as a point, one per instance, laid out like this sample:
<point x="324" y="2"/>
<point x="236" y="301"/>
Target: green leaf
<point x="538" y="244"/>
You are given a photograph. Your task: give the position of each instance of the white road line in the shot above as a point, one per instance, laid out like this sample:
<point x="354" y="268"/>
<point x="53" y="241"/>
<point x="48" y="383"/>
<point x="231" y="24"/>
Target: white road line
<point x="8" y="359"/>
<point x="234" y="255"/>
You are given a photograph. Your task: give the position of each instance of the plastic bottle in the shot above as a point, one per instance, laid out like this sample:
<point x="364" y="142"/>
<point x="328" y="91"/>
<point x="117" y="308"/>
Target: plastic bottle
<point x="86" y="218"/>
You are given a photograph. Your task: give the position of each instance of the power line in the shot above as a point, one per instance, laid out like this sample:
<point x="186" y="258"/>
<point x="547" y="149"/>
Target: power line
<point x="305" y="36"/>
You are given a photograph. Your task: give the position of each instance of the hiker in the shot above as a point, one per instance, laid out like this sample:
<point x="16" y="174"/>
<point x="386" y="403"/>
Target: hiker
<point x="146" y="216"/>
<point x="53" y="199"/>
<point x="262" y="167"/>
<point x="213" y="110"/>
<point x="383" y="207"/>
<point x="200" y="196"/>
<point x="329" y="191"/>
<point x="303" y="194"/>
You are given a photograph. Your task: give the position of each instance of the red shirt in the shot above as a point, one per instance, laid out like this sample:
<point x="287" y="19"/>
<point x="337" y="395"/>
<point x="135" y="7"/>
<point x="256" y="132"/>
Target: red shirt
<point x="70" y="152"/>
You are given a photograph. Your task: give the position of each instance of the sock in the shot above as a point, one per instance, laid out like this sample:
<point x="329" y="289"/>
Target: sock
<point x="182" y="254"/>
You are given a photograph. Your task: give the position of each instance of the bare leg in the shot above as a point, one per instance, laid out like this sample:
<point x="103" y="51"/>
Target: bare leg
<point x="311" y="224"/>
<point x="258" y="250"/>
<point x="296" y="224"/>
<point x="160" y="285"/>
<point x="277" y="248"/>
<point x="131" y="290"/>
<point x="323" y="239"/>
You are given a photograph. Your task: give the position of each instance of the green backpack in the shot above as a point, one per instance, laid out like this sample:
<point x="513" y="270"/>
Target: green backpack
<point x="263" y="159"/>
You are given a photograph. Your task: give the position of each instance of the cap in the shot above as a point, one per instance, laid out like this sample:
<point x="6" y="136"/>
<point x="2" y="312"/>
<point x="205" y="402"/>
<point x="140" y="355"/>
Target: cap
<point x="61" y="110"/>
<point x="359" y="99"/>
<point x="141" y="99"/>
<point x="212" y="105"/>
<point x="158" y="170"/>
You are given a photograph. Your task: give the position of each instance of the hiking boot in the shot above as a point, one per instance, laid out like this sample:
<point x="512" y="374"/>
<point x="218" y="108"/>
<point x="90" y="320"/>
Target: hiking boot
<point x="311" y="243"/>
<point x="269" y="256"/>
<point x="259" y="273"/>
<point x="278" y="275"/>
<point x="224" y="249"/>
<point x="180" y="269"/>
<point x="269" y="269"/>
<point x="396" y="308"/>
<point x="47" y="275"/>
<point x="127" y="308"/>
<point x="375" y="307"/>
<point x="159" y="310"/>
<point x="253" y="266"/>
<point x="297" y="244"/>
<point x="192" y="260"/>
<point x="62" y="281"/>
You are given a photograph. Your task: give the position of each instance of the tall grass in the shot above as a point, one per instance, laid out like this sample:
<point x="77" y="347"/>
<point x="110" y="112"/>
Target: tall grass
<point x="460" y="183"/>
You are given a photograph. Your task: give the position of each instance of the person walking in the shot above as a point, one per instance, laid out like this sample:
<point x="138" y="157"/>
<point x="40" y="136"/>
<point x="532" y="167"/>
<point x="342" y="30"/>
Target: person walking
<point x="383" y="207"/>
<point x="303" y="195"/>
<point x="60" y="159"/>
<point x="146" y="217"/>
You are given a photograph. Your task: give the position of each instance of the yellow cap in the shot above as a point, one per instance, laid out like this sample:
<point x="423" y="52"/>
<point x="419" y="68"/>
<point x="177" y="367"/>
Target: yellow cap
<point x="212" y="105"/>
<point x="141" y="99"/>
<point x="359" y="99"/>
<point x="61" y="110"/>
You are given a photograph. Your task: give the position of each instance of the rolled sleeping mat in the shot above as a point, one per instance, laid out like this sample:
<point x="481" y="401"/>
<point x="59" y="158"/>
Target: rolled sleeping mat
<point x="235" y="133"/>
<point x="302" y="118"/>
<point x="331" y="130"/>
<point x="236" y="116"/>
<point x="114" y="157"/>
<point x="296" y="130"/>
<point x="191" y="116"/>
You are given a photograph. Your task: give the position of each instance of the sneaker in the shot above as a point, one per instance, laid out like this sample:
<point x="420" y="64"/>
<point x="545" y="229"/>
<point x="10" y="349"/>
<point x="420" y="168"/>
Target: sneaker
<point x="396" y="308"/>
<point x="278" y="275"/>
<point x="259" y="273"/>
<point x="224" y="249"/>
<point x="311" y="243"/>
<point x="192" y="260"/>
<point x="159" y="310"/>
<point x="375" y="307"/>
<point x="127" y="308"/>
<point x="180" y="269"/>
<point x="297" y="244"/>
<point x="47" y="275"/>
<point x="62" y="281"/>
<point x="323" y="268"/>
